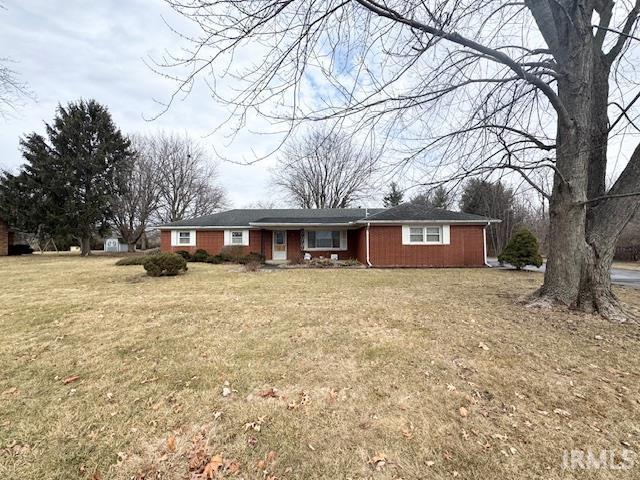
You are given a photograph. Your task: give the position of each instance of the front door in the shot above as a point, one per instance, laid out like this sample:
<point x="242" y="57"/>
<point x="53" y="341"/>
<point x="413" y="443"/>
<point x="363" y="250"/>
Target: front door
<point x="279" y="244"/>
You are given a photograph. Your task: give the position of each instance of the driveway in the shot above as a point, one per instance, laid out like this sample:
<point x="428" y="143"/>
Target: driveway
<point x="619" y="276"/>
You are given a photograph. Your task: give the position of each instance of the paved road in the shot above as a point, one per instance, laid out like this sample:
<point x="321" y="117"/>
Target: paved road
<point x="619" y="276"/>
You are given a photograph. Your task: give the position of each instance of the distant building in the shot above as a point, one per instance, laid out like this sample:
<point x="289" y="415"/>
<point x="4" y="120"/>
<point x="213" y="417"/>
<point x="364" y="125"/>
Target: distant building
<point x="115" y="244"/>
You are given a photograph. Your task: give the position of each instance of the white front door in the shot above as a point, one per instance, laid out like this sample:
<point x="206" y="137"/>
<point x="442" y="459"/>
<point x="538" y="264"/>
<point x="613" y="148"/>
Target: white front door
<point x="279" y="244"/>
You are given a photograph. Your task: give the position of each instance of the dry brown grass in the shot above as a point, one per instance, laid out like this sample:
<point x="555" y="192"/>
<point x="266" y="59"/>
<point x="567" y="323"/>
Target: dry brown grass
<point x="366" y="364"/>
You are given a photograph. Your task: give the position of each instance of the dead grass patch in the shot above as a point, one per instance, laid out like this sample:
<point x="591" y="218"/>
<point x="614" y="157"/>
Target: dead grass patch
<point x="375" y="374"/>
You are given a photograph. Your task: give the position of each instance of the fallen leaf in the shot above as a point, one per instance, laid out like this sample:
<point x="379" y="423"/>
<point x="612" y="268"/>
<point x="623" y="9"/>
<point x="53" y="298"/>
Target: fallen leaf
<point x="211" y="468"/>
<point x="269" y="393"/>
<point x="378" y="460"/>
<point x="171" y="443"/>
<point x="561" y="412"/>
<point x="430" y="463"/>
<point x="333" y="395"/>
<point x="311" y="447"/>
<point x="233" y="468"/>
<point x="464" y="412"/>
<point x="483" y="346"/>
<point x="226" y="391"/>
<point x="96" y="475"/>
<point x="71" y="379"/>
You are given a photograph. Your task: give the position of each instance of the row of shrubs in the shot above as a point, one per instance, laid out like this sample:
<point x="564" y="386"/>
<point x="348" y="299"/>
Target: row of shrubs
<point x="227" y="255"/>
<point x="169" y="264"/>
<point x="157" y="264"/>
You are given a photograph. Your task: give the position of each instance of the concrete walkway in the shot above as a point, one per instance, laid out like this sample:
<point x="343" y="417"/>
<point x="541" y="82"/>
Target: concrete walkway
<point x="619" y="276"/>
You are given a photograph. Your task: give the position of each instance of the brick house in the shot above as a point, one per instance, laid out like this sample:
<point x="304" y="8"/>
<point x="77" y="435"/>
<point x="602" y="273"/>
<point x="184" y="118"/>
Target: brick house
<point x="6" y="238"/>
<point x="404" y="236"/>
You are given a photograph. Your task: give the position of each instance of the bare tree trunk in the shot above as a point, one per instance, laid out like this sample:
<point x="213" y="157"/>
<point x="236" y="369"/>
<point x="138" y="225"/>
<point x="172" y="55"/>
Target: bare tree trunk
<point x="144" y="241"/>
<point x="85" y="246"/>
<point x="131" y="247"/>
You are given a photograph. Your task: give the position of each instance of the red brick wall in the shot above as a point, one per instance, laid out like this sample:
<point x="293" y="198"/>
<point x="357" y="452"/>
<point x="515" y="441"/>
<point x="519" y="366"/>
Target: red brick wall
<point x="465" y="250"/>
<point x="4" y="239"/>
<point x="212" y="241"/>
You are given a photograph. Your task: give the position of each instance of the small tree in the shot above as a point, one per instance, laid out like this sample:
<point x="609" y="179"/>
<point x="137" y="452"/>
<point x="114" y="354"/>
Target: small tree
<point x="522" y="250"/>
<point x="394" y="197"/>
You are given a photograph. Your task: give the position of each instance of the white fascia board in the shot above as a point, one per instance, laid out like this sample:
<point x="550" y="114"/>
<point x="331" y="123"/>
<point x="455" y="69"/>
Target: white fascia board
<point x="284" y="226"/>
<point x="216" y="227"/>
<point x="429" y="222"/>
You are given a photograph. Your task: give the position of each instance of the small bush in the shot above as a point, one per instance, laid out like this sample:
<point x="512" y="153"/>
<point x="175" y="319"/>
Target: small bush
<point x="522" y="250"/>
<point x="252" y="265"/>
<point x="152" y="251"/>
<point x="351" y="262"/>
<point x="200" y="256"/>
<point x="252" y="257"/>
<point x="232" y="253"/>
<point x="321" y="263"/>
<point x="167" y="264"/>
<point x="133" y="260"/>
<point x="214" y="259"/>
<point x="184" y="254"/>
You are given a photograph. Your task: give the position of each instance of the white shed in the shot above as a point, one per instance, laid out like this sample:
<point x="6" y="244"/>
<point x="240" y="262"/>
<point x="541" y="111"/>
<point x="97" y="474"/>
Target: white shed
<point x="115" y="244"/>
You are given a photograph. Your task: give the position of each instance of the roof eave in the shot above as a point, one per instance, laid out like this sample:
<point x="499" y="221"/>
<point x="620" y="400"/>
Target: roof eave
<point x="446" y="222"/>
<point x="300" y="225"/>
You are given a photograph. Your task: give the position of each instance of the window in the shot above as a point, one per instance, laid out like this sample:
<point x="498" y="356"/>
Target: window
<point x="425" y="234"/>
<point x="433" y="234"/>
<point x="184" y="238"/>
<point x="416" y="234"/>
<point x="236" y="238"/>
<point x="326" y="239"/>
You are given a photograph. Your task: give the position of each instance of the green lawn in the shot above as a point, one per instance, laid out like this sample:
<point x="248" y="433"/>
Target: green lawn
<point x="382" y="374"/>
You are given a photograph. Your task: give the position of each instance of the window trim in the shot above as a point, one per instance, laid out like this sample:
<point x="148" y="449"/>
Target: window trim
<point x="443" y="234"/>
<point x="228" y="237"/>
<point x="343" y="240"/>
<point x="176" y="238"/>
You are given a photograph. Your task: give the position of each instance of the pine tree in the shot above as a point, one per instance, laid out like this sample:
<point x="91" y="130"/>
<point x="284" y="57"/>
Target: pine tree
<point x="522" y="250"/>
<point x="394" y="197"/>
<point x="68" y="181"/>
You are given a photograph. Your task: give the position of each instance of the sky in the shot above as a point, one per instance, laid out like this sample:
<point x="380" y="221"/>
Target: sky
<point x="97" y="49"/>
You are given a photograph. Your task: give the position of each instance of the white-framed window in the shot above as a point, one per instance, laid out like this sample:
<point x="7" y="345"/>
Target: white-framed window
<point x="416" y="234"/>
<point x="325" y="239"/>
<point x="236" y="237"/>
<point x="425" y="234"/>
<point x="183" y="238"/>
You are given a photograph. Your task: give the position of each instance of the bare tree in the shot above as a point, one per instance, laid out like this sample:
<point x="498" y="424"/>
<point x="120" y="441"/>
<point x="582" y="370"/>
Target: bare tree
<point x="137" y="201"/>
<point x="468" y="87"/>
<point x="12" y="89"/>
<point x="186" y="177"/>
<point x="324" y="170"/>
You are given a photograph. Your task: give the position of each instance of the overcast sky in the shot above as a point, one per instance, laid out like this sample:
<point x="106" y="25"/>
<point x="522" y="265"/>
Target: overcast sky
<point x="95" y="49"/>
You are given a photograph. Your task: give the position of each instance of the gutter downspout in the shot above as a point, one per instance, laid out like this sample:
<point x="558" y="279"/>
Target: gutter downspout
<point x="484" y="237"/>
<point x="367" y="235"/>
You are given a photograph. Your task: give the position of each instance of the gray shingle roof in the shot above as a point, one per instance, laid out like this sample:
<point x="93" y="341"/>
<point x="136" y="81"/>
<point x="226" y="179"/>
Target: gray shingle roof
<point x="242" y="217"/>
<point x="417" y="212"/>
<point x="406" y="212"/>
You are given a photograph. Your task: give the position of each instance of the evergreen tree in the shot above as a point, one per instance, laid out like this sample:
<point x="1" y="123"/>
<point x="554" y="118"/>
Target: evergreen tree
<point x="394" y="197"/>
<point x="68" y="181"/>
<point x="441" y="198"/>
<point x="522" y="250"/>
